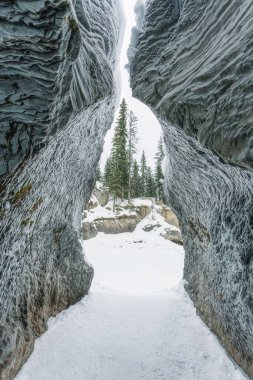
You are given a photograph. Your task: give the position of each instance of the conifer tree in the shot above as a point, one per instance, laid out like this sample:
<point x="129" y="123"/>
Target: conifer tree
<point x="143" y="175"/>
<point x="119" y="180"/>
<point x="135" y="181"/>
<point x="107" y="177"/>
<point x="150" y="184"/>
<point x="132" y="147"/>
<point x="99" y="174"/>
<point x="159" y="177"/>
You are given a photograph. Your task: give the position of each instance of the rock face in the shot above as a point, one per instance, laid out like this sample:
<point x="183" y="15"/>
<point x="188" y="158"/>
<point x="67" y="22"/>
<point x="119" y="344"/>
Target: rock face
<point x="192" y="65"/>
<point x="57" y="102"/>
<point x="115" y="224"/>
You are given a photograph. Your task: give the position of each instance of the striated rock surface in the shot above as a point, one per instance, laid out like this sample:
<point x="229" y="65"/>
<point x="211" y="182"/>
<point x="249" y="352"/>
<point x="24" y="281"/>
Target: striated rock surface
<point x="191" y="63"/>
<point x="57" y="97"/>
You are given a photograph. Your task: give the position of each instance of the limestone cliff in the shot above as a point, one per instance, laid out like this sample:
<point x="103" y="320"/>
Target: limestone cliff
<point x="191" y="63"/>
<point x="57" y="98"/>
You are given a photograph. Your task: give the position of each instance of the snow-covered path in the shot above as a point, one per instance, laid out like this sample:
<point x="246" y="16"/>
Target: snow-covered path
<point x="137" y="322"/>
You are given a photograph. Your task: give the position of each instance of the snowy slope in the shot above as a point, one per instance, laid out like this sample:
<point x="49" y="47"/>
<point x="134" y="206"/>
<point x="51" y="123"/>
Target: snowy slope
<point x="137" y="323"/>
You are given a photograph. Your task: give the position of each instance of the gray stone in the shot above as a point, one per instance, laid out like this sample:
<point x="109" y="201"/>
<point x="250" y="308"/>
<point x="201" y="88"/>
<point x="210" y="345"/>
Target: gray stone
<point x="192" y="65"/>
<point x="92" y="204"/>
<point x="102" y="196"/>
<point x="168" y="215"/>
<point x="57" y="94"/>
<point x="117" y="225"/>
<point x="3" y="167"/>
<point x="173" y="235"/>
<point x="89" y="230"/>
<point x="151" y="226"/>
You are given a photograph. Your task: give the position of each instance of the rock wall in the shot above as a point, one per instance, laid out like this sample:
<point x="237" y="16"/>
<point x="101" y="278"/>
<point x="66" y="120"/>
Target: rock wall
<point x="191" y="63"/>
<point x="57" y="99"/>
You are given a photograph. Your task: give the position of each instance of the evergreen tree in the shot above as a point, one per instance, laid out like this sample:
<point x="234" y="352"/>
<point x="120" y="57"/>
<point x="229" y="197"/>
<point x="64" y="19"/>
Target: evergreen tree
<point x="150" y="184"/>
<point x="99" y="174"/>
<point x="135" y="181"/>
<point x="143" y="175"/>
<point x="159" y="177"/>
<point x="119" y="180"/>
<point x="132" y="147"/>
<point x="107" y="177"/>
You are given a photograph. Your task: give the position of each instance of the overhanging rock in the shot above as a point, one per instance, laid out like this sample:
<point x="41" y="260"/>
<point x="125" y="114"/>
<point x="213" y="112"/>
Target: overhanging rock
<point x="57" y="102"/>
<point x="191" y="63"/>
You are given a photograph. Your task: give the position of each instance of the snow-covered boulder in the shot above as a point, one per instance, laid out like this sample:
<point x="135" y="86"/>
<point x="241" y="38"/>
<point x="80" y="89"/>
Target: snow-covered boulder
<point x="93" y="203"/>
<point x="173" y="235"/>
<point x="89" y="230"/>
<point x="101" y="196"/>
<point x="151" y="226"/>
<point x="191" y="63"/>
<point x="118" y="224"/>
<point x="167" y="214"/>
<point x="125" y="218"/>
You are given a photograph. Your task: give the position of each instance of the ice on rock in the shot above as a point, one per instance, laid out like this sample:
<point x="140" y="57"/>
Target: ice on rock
<point x="192" y="67"/>
<point x="58" y="64"/>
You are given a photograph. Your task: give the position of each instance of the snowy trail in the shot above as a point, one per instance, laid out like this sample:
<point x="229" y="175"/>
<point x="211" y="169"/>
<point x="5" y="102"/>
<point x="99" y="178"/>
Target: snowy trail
<point x="136" y="323"/>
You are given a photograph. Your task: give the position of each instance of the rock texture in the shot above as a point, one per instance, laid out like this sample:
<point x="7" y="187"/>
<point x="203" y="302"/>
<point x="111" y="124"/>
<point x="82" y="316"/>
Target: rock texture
<point x="192" y="65"/>
<point x="172" y="235"/>
<point x="116" y="224"/>
<point x="167" y="214"/>
<point x="101" y="196"/>
<point x="57" y="98"/>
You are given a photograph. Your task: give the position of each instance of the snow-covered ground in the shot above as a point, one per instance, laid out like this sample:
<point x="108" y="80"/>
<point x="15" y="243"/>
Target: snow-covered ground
<point x="136" y="323"/>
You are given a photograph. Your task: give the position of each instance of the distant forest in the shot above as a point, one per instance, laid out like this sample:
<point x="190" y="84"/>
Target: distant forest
<point x="123" y="176"/>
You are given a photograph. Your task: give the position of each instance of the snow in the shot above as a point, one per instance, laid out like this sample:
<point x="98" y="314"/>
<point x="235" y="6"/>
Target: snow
<point x="142" y="202"/>
<point x="108" y="213"/>
<point x="136" y="323"/>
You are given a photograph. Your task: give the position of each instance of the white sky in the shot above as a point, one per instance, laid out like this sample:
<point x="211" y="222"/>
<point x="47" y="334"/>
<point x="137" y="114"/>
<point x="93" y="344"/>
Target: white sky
<point x="149" y="129"/>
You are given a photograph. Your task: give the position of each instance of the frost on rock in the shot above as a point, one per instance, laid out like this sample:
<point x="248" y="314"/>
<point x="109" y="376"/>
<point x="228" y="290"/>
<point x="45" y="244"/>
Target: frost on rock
<point x="139" y="10"/>
<point x="193" y="68"/>
<point x="58" y="60"/>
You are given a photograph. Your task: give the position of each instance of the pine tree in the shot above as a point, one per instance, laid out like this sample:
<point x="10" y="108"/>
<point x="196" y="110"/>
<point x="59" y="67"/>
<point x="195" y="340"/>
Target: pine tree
<point x="99" y="174"/>
<point x="132" y="147"/>
<point x="135" y="181"/>
<point x="150" y="183"/>
<point x="159" y="177"/>
<point x="107" y="177"/>
<point x="143" y="175"/>
<point x="119" y="180"/>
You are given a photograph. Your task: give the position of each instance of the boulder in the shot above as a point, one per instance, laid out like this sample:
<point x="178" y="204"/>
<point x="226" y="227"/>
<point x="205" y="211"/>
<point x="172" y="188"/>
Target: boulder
<point x="101" y="196"/>
<point x="117" y="225"/>
<point x="89" y="230"/>
<point x="173" y="235"/>
<point x="168" y="215"/>
<point x="93" y="203"/>
<point x="143" y="210"/>
<point x="151" y="226"/>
